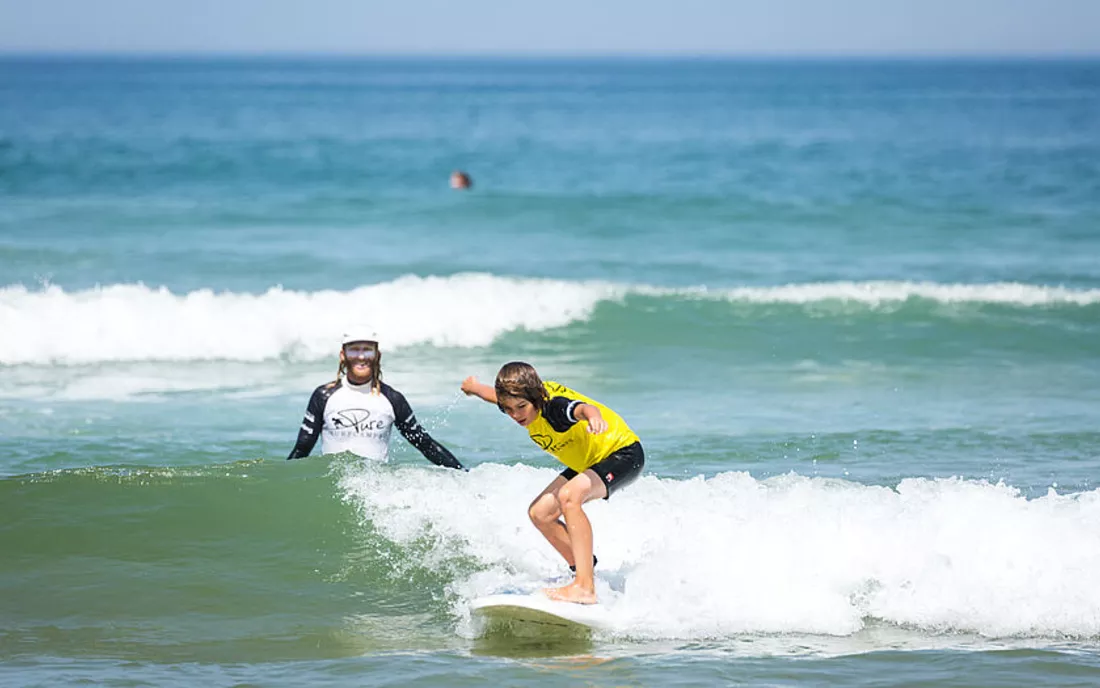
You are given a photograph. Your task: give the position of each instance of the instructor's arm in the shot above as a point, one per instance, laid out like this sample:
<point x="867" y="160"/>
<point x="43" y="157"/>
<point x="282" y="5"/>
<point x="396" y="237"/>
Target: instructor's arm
<point x="312" y="423"/>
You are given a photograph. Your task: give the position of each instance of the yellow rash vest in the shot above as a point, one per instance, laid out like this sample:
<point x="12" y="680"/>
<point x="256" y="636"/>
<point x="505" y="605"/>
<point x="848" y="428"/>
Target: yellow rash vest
<point x="558" y="431"/>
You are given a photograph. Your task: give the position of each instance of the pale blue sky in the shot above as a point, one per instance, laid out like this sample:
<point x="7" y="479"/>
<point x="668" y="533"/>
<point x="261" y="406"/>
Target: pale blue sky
<point x="678" y="27"/>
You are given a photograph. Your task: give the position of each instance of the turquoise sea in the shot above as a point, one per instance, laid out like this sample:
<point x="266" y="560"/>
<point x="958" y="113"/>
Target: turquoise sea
<point x="852" y="307"/>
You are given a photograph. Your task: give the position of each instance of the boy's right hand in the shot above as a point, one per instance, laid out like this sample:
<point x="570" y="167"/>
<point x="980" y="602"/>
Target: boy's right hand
<point x="470" y="385"/>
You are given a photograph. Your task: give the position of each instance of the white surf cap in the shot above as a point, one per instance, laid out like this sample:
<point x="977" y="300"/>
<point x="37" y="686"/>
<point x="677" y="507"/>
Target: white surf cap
<point x="359" y="333"/>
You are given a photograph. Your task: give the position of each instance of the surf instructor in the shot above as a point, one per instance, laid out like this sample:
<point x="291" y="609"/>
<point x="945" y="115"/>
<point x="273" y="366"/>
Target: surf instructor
<point x="357" y="411"/>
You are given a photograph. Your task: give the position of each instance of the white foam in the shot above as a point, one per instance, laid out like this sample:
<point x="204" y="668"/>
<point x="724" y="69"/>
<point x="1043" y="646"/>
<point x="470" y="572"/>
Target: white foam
<point x="732" y="554"/>
<point x="876" y="293"/>
<point x="133" y="322"/>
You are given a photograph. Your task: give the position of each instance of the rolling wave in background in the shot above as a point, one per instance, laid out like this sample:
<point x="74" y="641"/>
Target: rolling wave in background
<point x="134" y="322"/>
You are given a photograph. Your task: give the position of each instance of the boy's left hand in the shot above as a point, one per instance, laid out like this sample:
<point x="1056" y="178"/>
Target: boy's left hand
<point x="597" y="425"/>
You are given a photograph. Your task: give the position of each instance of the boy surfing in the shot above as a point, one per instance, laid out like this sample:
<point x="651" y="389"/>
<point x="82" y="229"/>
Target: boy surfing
<point x="600" y="451"/>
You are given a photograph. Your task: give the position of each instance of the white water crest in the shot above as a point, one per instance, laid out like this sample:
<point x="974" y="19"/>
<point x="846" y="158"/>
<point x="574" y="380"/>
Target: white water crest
<point x="876" y="292"/>
<point x="711" y="558"/>
<point x="134" y="322"/>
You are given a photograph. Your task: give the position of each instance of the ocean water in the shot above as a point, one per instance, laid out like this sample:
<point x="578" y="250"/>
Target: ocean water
<point x="851" y="307"/>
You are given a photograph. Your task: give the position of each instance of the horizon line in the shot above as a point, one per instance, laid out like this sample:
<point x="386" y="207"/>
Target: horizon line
<point x="552" y="55"/>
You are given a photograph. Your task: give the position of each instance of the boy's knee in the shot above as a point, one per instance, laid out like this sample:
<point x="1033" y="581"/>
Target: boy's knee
<point x="570" y="497"/>
<point x="543" y="509"/>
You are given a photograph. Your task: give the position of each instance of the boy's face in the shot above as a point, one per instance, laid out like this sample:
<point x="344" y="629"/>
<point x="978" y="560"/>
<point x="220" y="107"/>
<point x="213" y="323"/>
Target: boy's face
<point x="519" y="410"/>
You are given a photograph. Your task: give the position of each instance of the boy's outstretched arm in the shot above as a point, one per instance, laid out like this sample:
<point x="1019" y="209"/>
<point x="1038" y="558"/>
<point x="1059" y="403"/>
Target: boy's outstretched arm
<point x="477" y="389"/>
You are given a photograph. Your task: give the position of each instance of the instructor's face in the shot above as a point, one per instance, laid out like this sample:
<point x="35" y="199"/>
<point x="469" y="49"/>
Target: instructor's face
<point x="520" y="410"/>
<point x="359" y="358"/>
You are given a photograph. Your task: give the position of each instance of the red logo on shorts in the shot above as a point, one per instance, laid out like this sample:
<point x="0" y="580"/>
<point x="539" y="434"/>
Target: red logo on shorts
<point x="610" y="477"/>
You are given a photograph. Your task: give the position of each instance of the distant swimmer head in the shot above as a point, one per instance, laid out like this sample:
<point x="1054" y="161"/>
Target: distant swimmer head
<point x="520" y="392"/>
<point x="360" y="357"/>
<point x="460" y="180"/>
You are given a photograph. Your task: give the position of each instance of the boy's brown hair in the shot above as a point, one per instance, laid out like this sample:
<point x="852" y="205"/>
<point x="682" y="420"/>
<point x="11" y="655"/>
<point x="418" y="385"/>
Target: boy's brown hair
<point x="519" y="380"/>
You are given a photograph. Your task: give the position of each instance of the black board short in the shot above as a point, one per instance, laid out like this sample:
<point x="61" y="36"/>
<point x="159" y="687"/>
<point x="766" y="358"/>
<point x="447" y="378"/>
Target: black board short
<point x="618" y="470"/>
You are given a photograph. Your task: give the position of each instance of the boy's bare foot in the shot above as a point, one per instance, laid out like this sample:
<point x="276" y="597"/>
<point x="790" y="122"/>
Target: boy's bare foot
<point x="571" y="593"/>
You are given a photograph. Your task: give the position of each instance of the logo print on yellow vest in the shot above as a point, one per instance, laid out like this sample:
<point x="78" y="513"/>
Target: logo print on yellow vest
<point x="575" y="446"/>
<point x="543" y="441"/>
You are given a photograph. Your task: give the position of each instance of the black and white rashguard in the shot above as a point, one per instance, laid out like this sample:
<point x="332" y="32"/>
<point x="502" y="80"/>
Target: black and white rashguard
<point x="352" y="418"/>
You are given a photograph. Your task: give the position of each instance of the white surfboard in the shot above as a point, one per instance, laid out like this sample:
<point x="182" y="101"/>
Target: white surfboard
<point x="537" y="608"/>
